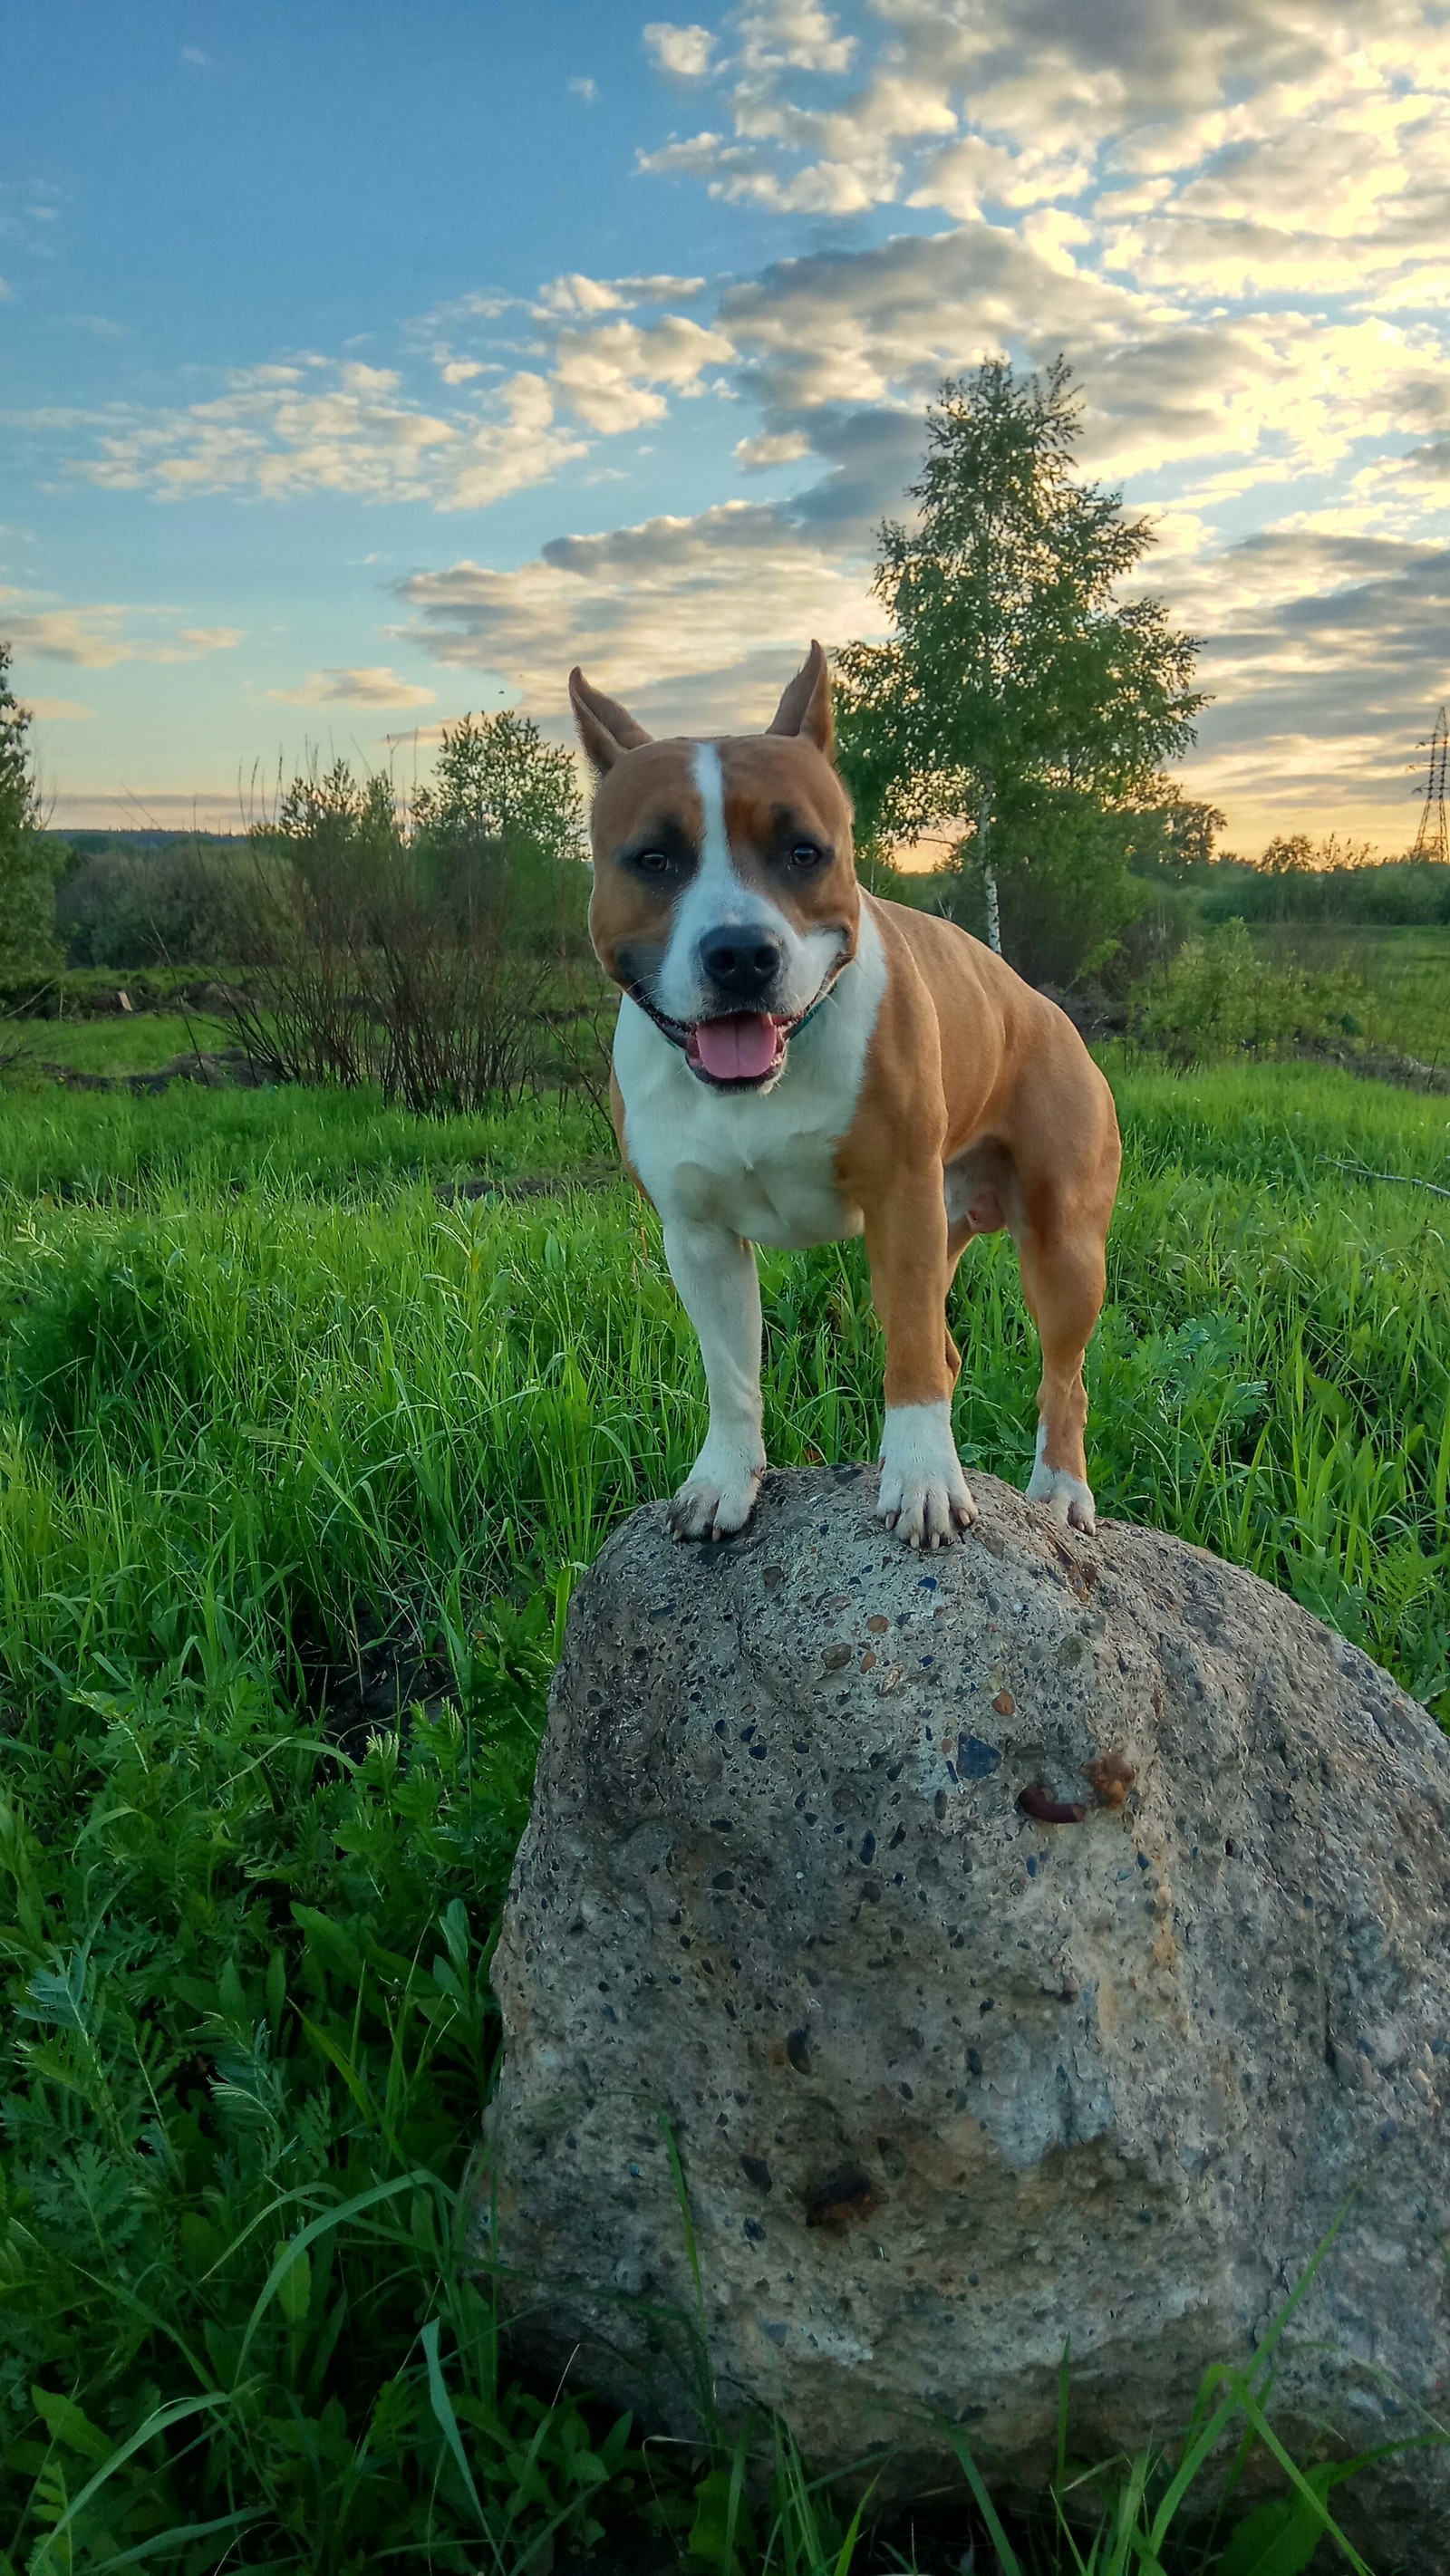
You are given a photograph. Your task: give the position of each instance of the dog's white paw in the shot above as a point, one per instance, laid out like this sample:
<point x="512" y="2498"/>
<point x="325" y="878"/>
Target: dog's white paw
<point x="1069" y="1501"/>
<point x="717" y="1497"/>
<point x="925" y="1497"/>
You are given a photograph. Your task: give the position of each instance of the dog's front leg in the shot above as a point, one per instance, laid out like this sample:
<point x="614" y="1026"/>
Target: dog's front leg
<point x="925" y="1497"/>
<point x="719" y="1287"/>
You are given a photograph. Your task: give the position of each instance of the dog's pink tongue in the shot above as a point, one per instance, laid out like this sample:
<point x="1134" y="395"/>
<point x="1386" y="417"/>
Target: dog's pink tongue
<point x="739" y="1049"/>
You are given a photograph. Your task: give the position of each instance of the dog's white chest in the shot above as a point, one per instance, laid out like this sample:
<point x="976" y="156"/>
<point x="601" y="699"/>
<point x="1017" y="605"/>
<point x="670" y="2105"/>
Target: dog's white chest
<point x="762" y="1165"/>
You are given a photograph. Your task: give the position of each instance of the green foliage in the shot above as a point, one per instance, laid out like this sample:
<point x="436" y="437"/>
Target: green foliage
<point x="1405" y="970"/>
<point x="496" y="780"/>
<point x="29" y="862"/>
<point x="1221" y="996"/>
<point x="125" y="907"/>
<point x="1335" y="888"/>
<point x="1066" y="887"/>
<point x="1137" y="2507"/>
<point x="205" y="1146"/>
<point x="116" y="1048"/>
<point x="251" y="2029"/>
<point x="1018" y="701"/>
<point x="430" y="952"/>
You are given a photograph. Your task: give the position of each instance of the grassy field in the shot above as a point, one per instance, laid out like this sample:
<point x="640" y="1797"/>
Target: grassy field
<point x="271" y="1389"/>
<point x="1407" y="971"/>
<point x="134" y="1042"/>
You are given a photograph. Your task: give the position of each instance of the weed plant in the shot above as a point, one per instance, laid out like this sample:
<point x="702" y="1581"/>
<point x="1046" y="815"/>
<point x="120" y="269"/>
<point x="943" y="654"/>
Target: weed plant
<point x="266" y="1392"/>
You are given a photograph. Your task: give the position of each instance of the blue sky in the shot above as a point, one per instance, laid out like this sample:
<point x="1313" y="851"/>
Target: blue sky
<point x="358" y="367"/>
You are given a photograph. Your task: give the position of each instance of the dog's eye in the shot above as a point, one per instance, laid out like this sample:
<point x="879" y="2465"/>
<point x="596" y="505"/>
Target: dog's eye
<point x="806" y="855"/>
<point x="652" y="863"/>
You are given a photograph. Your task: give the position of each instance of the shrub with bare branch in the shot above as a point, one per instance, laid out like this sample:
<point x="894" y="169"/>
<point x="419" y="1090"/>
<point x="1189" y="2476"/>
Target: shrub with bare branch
<point x="433" y="951"/>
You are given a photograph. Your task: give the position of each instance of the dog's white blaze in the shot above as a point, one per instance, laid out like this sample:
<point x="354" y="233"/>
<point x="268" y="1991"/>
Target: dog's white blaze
<point x="715" y="849"/>
<point x="718" y="898"/>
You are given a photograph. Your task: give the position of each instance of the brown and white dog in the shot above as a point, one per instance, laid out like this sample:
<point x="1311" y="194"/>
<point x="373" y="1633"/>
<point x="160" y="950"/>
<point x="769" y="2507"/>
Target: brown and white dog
<point x="796" y="1062"/>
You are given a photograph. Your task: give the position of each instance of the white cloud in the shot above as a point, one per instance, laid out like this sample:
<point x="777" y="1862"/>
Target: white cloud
<point x="1282" y="392"/>
<point x="610" y="376"/>
<point x="314" y="424"/>
<point x="372" y="686"/>
<point x="317" y="425"/>
<point x="576" y="295"/>
<point x="683" y="52"/>
<point x="585" y="89"/>
<point x="963" y="176"/>
<point x="1054" y="234"/>
<point x="56" y="710"/>
<point x="791" y="35"/>
<point x="677" y="614"/>
<point x="855" y="161"/>
<point x="100" y="634"/>
<point x="754" y="455"/>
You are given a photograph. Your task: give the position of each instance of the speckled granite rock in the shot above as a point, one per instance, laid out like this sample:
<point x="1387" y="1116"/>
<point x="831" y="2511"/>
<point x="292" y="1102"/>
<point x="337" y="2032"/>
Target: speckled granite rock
<point x="950" y="2085"/>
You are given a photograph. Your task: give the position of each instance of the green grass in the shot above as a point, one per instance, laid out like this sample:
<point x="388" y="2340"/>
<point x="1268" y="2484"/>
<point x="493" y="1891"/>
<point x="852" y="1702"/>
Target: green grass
<point x="131" y="1042"/>
<point x="194" y="1147"/>
<point x="1407" y="972"/>
<point x="262" y="1392"/>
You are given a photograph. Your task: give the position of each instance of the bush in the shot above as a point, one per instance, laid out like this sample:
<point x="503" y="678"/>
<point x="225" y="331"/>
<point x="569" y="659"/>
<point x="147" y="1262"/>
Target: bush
<point x="1218" y="997"/>
<point x="1066" y="890"/>
<point x="439" y="954"/>
<point x="1410" y="892"/>
<point x="129" y="908"/>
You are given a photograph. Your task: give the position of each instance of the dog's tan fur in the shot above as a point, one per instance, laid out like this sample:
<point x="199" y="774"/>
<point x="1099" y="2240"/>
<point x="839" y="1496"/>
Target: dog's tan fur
<point x="968" y="1071"/>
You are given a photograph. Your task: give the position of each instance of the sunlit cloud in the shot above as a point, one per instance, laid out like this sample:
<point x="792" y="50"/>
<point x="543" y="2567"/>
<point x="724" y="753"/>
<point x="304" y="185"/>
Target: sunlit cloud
<point x="103" y="633"/>
<point x="682" y="52"/>
<point x="317" y="425"/>
<point x="375" y="685"/>
<point x="682" y="614"/>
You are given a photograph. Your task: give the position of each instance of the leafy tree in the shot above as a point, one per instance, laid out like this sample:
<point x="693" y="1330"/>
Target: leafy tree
<point x="502" y="826"/>
<point x="29" y="863"/>
<point x="497" y="779"/>
<point x="1016" y="685"/>
<point x="1172" y="836"/>
<point x="1294" y="854"/>
<point x="1288" y="854"/>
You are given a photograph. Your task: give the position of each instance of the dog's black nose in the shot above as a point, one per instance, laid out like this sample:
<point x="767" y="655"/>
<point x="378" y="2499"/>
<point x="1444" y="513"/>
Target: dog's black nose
<point x="743" y="965"/>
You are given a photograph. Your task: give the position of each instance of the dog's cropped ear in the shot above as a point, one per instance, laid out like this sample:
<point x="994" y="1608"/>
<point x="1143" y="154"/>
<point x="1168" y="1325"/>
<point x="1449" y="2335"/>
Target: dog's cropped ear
<point x="806" y="705"/>
<point x="606" y="729"/>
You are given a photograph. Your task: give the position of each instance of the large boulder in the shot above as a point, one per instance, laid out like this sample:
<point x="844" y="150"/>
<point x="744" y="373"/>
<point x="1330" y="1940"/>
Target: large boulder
<point x="964" y="1956"/>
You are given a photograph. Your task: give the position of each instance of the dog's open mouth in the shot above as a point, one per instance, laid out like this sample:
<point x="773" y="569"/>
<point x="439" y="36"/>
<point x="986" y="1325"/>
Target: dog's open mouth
<point x="740" y="1050"/>
<point x="746" y="1047"/>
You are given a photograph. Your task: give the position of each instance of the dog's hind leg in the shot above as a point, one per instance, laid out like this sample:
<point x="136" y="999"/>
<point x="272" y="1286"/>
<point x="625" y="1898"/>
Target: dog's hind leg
<point x="1063" y="1279"/>
<point x="719" y="1287"/>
